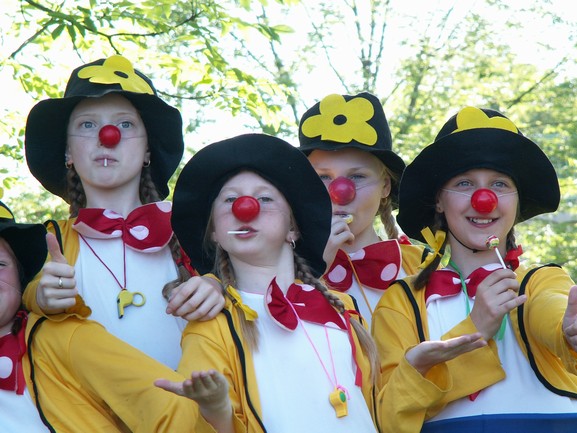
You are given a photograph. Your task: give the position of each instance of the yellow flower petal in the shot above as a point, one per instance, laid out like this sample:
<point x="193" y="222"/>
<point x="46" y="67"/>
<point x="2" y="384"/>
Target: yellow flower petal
<point x="473" y="118"/>
<point x="116" y="70"/>
<point x="342" y="121"/>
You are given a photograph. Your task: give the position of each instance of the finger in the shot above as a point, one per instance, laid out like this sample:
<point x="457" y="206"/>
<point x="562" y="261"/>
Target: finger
<point x="54" y="249"/>
<point x="174" y="387"/>
<point x="212" y="313"/>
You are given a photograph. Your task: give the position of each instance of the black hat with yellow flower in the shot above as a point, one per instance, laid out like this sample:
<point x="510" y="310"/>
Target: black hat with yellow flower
<point x="345" y="121"/>
<point x="476" y="138"/>
<point x="27" y="241"/>
<point x="45" y="139"/>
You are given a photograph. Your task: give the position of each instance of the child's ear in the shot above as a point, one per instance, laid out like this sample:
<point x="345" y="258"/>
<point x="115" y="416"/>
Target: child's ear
<point x="386" y="187"/>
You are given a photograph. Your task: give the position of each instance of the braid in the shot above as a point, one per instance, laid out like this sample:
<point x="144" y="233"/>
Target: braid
<point x="386" y="214"/>
<point x="75" y="192"/>
<point x="303" y="273"/>
<point x="511" y="243"/>
<point x="385" y="211"/>
<point x="17" y="325"/>
<point x="183" y="273"/>
<point x="148" y="191"/>
<point x="224" y="270"/>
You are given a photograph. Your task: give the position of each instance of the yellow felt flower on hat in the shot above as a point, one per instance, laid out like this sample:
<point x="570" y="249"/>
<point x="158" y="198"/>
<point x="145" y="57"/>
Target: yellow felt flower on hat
<point x="5" y="213"/>
<point x="436" y="242"/>
<point x="116" y="70"/>
<point x="473" y="118"/>
<point x="342" y="121"/>
<point x="249" y="313"/>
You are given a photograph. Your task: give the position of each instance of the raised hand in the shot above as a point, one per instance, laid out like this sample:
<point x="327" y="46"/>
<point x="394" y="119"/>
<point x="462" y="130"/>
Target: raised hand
<point x="210" y="390"/>
<point x="199" y="298"/>
<point x="340" y="235"/>
<point x="570" y="319"/>
<point x="496" y="295"/>
<point x="57" y="286"/>
<point x="427" y="354"/>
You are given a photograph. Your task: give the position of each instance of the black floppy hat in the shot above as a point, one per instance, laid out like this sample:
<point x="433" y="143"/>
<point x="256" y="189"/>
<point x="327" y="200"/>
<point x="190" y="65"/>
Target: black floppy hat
<point x="45" y="136"/>
<point x="345" y="121"/>
<point x="27" y="241"/>
<point x="476" y="138"/>
<point x="275" y="160"/>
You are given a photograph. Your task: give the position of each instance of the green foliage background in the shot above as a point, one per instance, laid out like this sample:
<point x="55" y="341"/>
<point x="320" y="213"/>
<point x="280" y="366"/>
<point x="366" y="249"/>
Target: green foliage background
<point x="256" y="65"/>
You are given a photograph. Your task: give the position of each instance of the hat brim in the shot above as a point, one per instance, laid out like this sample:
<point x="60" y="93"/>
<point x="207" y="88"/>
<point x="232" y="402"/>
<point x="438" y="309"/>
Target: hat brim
<point x="390" y="159"/>
<point x="275" y="160"/>
<point x="28" y="242"/>
<point x="490" y="148"/>
<point x="45" y="139"/>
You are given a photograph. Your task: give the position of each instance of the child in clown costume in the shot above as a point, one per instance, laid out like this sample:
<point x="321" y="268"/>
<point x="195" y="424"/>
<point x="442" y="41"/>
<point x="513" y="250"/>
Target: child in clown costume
<point x="22" y="254"/>
<point x="348" y="142"/>
<point x="108" y="147"/>
<point x="484" y="344"/>
<point x="253" y="210"/>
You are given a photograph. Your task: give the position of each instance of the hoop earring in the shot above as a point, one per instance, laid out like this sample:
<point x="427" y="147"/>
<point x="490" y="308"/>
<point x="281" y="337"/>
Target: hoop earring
<point x="146" y="163"/>
<point x="293" y="244"/>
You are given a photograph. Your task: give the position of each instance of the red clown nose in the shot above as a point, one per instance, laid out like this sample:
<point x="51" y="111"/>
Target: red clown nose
<point x="109" y="135"/>
<point x="342" y="191"/>
<point x="484" y="200"/>
<point x="246" y="208"/>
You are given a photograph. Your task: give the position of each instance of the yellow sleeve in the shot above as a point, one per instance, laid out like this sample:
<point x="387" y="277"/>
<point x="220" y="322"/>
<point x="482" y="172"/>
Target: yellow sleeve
<point x="89" y="380"/>
<point x="208" y="345"/>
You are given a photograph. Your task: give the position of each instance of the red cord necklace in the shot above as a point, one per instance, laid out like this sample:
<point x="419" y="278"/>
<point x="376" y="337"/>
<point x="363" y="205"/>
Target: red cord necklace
<point x="125" y="298"/>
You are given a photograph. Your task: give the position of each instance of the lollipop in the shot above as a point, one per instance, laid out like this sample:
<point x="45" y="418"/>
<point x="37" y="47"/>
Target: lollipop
<point x="492" y="243"/>
<point x="348" y="218"/>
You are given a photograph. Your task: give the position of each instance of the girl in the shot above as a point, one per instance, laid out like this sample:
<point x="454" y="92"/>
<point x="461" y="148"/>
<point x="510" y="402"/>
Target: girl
<point x="296" y="357"/>
<point x="466" y="191"/>
<point x="348" y="142"/>
<point x="22" y="254"/>
<point x="108" y="148"/>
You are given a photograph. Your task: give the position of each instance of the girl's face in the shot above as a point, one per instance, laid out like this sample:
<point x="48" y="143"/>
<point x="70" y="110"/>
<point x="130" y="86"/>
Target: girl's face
<point x="262" y="238"/>
<point x="468" y="225"/>
<point x="10" y="296"/>
<point x="104" y="168"/>
<point x="368" y="174"/>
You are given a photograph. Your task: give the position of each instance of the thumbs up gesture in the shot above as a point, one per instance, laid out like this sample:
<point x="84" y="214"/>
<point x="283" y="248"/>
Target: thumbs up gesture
<point x="57" y="286"/>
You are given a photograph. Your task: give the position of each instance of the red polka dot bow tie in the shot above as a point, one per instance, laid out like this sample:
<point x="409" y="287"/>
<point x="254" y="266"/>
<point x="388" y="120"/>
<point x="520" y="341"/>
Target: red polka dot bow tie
<point x="147" y="228"/>
<point x="301" y="301"/>
<point x="375" y="266"/>
<point x="12" y="349"/>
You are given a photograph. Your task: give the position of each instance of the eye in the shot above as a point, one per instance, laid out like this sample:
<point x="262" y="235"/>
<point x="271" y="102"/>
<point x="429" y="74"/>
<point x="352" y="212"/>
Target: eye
<point x="325" y="178"/>
<point x="230" y="199"/>
<point x="265" y="199"/>
<point x="125" y="125"/>
<point x="464" y="183"/>
<point x="88" y="125"/>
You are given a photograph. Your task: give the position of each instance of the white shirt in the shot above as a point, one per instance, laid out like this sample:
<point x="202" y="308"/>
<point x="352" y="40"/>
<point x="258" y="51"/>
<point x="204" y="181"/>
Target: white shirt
<point x="148" y="327"/>
<point x="294" y="387"/>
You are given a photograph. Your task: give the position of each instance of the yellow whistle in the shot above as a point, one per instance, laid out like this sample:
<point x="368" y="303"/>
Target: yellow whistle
<point x="126" y="298"/>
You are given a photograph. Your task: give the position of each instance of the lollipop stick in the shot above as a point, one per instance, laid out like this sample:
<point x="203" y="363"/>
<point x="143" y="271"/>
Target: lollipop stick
<point x="500" y="258"/>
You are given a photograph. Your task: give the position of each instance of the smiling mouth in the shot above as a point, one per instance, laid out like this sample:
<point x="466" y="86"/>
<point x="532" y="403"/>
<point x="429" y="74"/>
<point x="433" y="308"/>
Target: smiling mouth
<point x="481" y="220"/>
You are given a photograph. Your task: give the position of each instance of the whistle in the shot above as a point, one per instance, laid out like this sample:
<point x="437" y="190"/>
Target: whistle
<point x="126" y="298"/>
